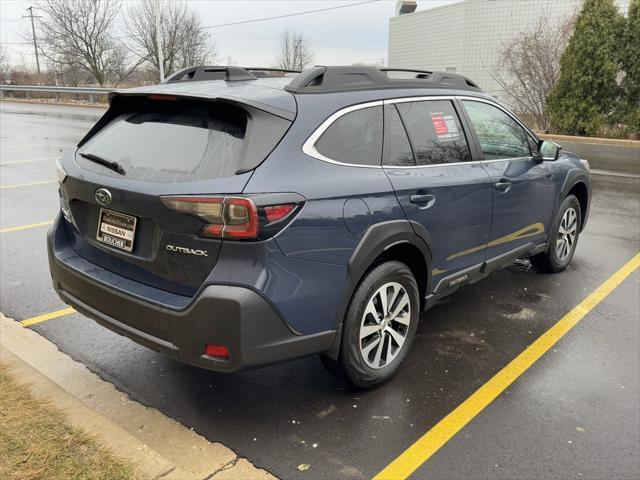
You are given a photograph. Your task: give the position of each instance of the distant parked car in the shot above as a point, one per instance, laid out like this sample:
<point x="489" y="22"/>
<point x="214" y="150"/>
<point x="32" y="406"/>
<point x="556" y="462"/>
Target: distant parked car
<point x="232" y="220"/>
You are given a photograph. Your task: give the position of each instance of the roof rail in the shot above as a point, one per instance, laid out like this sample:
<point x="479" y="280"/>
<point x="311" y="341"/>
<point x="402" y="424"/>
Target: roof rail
<point x="322" y="79"/>
<point x="227" y="73"/>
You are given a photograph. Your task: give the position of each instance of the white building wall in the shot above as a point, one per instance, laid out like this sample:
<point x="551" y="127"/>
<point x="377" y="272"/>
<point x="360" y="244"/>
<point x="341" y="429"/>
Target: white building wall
<point x="469" y="35"/>
<point x="427" y="39"/>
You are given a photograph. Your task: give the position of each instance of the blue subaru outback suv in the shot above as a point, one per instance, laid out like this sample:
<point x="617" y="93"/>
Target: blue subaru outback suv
<point x="233" y="218"/>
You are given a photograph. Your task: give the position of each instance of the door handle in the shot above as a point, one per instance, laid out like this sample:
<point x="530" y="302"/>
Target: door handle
<point x="422" y="200"/>
<point x="503" y="186"/>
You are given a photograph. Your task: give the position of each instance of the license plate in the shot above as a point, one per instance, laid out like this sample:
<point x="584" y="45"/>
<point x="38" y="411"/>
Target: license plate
<point x="116" y="229"/>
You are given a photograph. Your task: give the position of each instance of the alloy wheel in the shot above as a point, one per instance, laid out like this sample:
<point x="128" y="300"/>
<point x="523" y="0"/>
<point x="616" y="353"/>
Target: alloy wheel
<point x="385" y="325"/>
<point x="567" y="232"/>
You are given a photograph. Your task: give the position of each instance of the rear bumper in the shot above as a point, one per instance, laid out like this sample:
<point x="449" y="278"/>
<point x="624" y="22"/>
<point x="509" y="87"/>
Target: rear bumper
<point x="234" y="316"/>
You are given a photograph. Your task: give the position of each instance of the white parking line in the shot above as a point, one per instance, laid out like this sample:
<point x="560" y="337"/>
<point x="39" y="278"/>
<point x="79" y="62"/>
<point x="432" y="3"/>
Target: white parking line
<point x="18" y="185"/>
<point x="26" y="145"/>
<point x="13" y="162"/>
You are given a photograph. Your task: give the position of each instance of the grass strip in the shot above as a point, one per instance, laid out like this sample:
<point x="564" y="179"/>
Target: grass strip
<point x="36" y="441"/>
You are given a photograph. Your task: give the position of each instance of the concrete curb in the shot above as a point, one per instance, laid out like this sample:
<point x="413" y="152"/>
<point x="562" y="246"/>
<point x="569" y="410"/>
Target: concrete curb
<point x="148" y="463"/>
<point x="608" y="173"/>
<point x="101" y="106"/>
<point x="621" y="156"/>
<point x="591" y="140"/>
<point x="160" y="447"/>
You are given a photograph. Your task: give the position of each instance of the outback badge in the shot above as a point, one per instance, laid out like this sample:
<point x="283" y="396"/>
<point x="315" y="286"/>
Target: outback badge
<point x="187" y="251"/>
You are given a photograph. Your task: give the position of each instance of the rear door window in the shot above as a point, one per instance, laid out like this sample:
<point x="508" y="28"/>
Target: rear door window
<point x="354" y="138"/>
<point x="435" y="132"/>
<point x="171" y="142"/>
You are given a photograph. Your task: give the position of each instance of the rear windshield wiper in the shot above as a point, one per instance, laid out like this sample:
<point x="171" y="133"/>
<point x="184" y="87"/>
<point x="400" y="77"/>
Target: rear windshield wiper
<point x="115" y="166"/>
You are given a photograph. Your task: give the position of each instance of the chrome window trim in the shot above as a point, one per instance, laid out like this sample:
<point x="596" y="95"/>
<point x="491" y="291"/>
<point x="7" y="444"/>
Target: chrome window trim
<point x="426" y="99"/>
<point x="309" y="146"/>
<point x="453" y="164"/>
<point x="419" y="99"/>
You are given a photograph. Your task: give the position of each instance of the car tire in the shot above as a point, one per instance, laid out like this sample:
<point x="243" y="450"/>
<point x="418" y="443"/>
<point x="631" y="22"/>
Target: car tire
<point x="379" y="325"/>
<point x="563" y="238"/>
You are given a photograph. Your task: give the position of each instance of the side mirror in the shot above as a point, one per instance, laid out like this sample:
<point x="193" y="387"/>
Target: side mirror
<point x="548" y="150"/>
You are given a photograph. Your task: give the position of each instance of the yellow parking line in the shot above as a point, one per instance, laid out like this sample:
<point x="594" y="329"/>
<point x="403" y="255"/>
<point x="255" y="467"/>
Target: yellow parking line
<point x="25" y="227"/>
<point x="18" y="185"/>
<point x="47" y="316"/>
<point x="427" y="445"/>
<point x="12" y="162"/>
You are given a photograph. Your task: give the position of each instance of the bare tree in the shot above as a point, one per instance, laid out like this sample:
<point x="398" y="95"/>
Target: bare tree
<point x="529" y="67"/>
<point x="3" y="64"/>
<point x="184" y="42"/>
<point x="67" y="72"/>
<point x="121" y="68"/>
<point x="295" y="50"/>
<point x="80" y="33"/>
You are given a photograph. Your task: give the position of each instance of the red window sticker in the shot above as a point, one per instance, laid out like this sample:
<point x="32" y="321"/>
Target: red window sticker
<point x="439" y="124"/>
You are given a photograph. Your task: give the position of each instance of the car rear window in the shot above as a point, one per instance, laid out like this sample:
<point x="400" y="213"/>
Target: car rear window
<point x="171" y="142"/>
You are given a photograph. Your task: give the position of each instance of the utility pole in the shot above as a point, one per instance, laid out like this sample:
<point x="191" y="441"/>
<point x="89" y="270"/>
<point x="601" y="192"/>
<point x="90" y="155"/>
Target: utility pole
<point x="159" y="41"/>
<point x="35" y="42"/>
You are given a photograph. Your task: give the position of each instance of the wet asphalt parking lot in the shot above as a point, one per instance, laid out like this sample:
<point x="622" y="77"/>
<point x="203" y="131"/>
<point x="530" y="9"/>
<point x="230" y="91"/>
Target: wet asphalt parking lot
<point x="575" y="413"/>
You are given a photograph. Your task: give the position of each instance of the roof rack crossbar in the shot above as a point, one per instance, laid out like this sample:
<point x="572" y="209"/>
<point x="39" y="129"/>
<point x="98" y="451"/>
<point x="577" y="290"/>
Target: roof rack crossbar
<point x="222" y="72"/>
<point x="271" y="69"/>
<point x="408" y="70"/>
<point x="321" y="79"/>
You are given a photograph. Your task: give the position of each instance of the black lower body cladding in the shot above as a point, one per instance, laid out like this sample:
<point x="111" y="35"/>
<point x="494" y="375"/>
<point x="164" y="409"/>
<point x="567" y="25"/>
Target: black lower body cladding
<point x="236" y="317"/>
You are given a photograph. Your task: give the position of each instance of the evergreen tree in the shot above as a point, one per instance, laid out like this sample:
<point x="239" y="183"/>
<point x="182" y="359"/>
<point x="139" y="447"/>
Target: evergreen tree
<point x="629" y="103"/>
<point x="587" y="88"/>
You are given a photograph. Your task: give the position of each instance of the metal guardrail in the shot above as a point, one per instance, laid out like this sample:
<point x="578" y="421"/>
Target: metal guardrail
<point x="29" y="89"/>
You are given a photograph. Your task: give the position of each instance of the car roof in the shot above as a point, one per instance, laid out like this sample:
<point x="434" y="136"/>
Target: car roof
<point x="277" y="94"/>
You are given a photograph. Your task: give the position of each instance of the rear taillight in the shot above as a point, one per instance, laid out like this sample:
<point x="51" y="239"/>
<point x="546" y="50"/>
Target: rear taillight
<point x="61" y="173"/>
<point x="64" y="204"/>
<point x="239" y="218"/>
<point x="275" y="213"/>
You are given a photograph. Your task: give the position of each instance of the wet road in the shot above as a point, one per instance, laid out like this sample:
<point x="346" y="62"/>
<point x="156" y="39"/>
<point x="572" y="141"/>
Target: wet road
<point x="574" y="414"/>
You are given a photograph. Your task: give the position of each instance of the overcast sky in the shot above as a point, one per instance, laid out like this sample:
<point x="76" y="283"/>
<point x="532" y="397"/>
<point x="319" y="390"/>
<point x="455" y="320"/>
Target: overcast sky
<point x="342" y="36"/>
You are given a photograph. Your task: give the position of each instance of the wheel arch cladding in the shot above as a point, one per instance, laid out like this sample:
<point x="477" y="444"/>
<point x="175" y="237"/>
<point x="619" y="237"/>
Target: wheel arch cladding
<point x="393" y="240"/>
<point x="581" y="192"/>
<point x="413" y="258"/>
<point x="576" y="182"/>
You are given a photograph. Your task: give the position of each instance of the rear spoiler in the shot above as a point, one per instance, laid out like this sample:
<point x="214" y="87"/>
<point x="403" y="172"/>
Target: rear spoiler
<point x="278" y="112"/>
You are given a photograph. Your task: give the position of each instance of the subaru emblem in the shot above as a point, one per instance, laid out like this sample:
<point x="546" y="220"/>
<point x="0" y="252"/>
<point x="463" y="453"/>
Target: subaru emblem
<point x="103" y="196"/>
